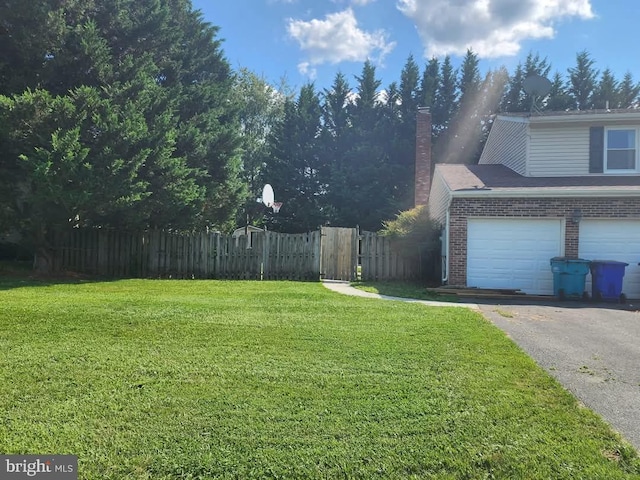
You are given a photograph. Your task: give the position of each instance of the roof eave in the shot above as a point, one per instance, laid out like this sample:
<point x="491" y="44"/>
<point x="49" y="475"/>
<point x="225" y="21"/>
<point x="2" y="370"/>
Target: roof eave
<point x="586" y="117"/>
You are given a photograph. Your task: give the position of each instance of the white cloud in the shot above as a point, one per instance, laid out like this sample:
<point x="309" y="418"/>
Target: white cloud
<point x="492" y="28"/>
<point x="307" y="70"/>
<point x="337" y="38"/>
<point x="359" y="3"/>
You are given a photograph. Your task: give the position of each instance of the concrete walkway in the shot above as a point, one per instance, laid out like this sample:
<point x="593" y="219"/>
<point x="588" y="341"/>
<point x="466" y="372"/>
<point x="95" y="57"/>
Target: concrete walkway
<point x="346" y="289"/>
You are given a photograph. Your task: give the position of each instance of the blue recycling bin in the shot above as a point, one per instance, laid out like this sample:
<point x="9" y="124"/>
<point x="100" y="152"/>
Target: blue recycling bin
<point x="606" y="280"/>
<point x="569" y="277"/>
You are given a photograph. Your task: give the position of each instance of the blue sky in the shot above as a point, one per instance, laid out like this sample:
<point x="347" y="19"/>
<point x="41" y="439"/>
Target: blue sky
<point x="303" y="40"/>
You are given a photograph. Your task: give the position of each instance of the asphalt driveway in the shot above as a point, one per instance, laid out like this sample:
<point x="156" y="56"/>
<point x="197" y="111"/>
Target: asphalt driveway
<point x="593" y="351"/>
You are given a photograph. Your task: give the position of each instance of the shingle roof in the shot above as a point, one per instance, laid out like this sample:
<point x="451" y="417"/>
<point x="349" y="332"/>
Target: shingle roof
<point x="497" y="177"/>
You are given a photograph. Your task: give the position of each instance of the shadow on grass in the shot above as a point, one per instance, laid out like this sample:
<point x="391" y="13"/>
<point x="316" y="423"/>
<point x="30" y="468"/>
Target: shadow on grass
<point x="20" y="274"/>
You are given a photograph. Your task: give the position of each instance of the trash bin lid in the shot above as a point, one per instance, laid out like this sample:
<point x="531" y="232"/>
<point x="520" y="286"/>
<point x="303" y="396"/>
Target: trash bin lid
<point x="569" y="260"/>
<point x="608" y="262"/>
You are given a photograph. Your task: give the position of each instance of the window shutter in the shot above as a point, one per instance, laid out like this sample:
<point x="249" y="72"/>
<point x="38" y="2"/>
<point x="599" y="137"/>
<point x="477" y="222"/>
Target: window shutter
<point x="596" y="150"/>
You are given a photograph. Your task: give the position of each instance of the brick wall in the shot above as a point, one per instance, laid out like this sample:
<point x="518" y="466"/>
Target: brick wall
<point x="423" y="157"/>
<point x="461" y="209"/>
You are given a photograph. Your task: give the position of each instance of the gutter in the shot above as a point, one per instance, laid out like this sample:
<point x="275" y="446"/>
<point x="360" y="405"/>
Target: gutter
<point x="551" y="192"/>
<point x="585" y="116"/>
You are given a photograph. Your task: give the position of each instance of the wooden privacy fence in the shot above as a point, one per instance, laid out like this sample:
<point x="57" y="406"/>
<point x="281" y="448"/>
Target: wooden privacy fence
<point x="332" y="253"/>
<point x="162" y="254"/>
<point x="380" y="259"/>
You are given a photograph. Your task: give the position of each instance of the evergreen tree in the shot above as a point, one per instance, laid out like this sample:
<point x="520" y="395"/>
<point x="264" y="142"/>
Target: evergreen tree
<point x="464" y="135"/>
<point x="366" y="199"/>
<point x="294" y="166"/>
<point x="469" y="82"/>
<point x="516" y="99"/>
<point x="534" y="65"/>
<point x="606" y="94"/>
<point x="582" y="81"/>
<point x="513" y="99"/>
<point x="336" y="110"/>
<point x="492" y="90"/>
<point x="404" y="152"/>
<point x="444" y="109"/>
<point x="559" y="98"/>
<point x="446" y="101"/>
<point x="409" y="91"/>
<point x="430" y="84"/>
<point x="629" y="91"/>
<point x="336" y="142"/>
<point x="155" y="133"/>
<point x="29" y="32"/>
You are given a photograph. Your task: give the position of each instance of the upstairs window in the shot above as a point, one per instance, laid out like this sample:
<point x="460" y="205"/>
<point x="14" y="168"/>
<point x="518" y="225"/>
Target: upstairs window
<point x="620" y="150"/>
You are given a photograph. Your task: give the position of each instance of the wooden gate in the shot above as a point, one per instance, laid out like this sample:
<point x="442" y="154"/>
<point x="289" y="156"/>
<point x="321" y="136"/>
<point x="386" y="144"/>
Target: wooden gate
<point x="339" y="253"/>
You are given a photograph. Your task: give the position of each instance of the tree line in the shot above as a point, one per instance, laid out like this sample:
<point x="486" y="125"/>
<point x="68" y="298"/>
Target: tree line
<point x="127" y="114"/>
<point x="345" y="155"/>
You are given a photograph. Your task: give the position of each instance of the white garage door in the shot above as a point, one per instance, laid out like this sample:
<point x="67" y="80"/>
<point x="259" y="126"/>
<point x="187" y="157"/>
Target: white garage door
<point x="613" y="240"/>
<point x="513" y="253"/>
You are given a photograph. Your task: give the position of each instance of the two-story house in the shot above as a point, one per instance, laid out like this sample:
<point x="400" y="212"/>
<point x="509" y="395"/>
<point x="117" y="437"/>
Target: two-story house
<point x="551" y="184"/>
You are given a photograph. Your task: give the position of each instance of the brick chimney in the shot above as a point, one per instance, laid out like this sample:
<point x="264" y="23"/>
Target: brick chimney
<point x="423" y="156"/>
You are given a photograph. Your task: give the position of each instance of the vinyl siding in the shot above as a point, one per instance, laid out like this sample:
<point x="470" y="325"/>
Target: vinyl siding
<point x="558" y="151"/>
<point x="507" y="145"/>
<point x="438" y="198"/>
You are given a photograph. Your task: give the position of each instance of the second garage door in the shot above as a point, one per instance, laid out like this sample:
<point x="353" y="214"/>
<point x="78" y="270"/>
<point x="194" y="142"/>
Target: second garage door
<point x="513" y="253"/>
<point x="613" y="240"/>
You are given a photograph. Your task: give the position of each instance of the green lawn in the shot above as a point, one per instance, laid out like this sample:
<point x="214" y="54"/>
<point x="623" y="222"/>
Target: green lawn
<point x="211" y="379"/>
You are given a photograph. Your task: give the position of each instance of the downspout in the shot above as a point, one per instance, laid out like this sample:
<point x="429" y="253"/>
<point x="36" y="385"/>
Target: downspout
<point x="444" y="239"/>
<point x="445" y="246"/>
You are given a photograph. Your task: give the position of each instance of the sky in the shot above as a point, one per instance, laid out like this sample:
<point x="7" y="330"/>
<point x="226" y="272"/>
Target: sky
<point x="299" y="41"/>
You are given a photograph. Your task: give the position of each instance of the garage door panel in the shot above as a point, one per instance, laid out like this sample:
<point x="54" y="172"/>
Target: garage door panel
<point x="613" y="239"/>
<point x="513" y="253"/>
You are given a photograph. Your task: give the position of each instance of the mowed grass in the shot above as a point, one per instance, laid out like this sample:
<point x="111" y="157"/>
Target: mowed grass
<point x="212" y="379"/>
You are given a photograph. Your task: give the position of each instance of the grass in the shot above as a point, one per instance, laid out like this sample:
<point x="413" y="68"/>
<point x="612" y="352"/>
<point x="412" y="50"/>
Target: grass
<point x="504" y="313"/>
<point x="403" y="290"/>
<point x="148" y="379"/>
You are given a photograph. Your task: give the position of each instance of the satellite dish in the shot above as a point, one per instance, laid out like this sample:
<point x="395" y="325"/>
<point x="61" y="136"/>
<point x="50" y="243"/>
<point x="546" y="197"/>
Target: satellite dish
<point x="267" y="196"/>
<point x="537" y="87"/>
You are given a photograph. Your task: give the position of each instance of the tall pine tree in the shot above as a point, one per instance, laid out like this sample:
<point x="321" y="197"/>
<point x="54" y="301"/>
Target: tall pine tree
<point x="629" y="91"/>
<point x="336" y="143"/>
<point x="582" y="81"/>
<point x="294" y="168"/>
<point x="606" y="93"/>
<point x="559" y="98"/>
<point x="465" y="132"/>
